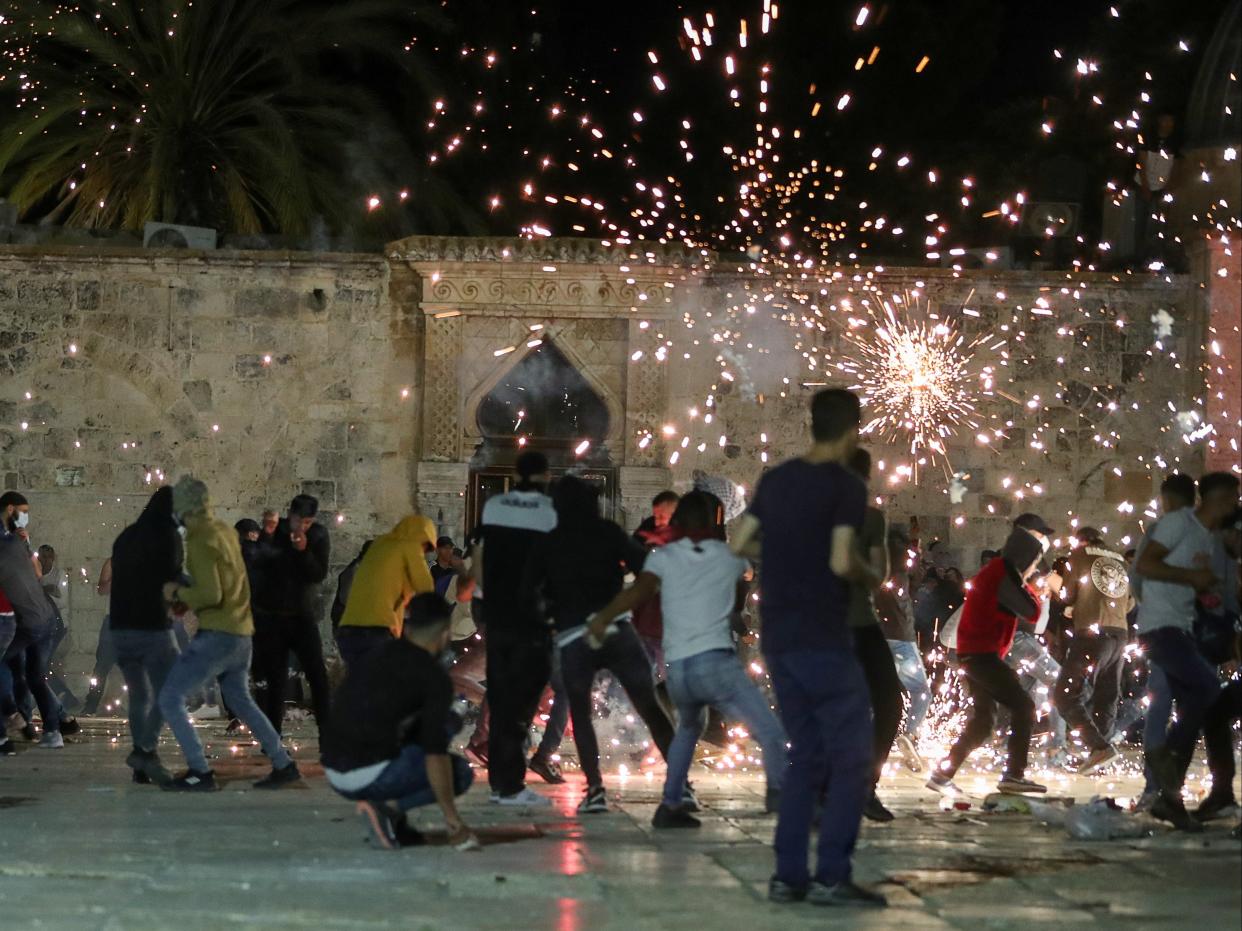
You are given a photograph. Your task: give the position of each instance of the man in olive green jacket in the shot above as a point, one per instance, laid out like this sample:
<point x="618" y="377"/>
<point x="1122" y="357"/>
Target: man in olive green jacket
<point x="219" y="594"/>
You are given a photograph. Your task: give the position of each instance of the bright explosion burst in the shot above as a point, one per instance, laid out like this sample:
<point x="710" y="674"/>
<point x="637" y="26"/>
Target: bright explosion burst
<point x="918" y="378"/>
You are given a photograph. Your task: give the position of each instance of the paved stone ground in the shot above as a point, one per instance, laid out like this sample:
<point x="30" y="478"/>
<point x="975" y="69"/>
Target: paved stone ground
<point x="83" y="848"/>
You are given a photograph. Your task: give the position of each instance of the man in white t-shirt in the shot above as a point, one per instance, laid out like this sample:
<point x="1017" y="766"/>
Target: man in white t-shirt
<point x="697" y="577"/>
<point x="1174" y="564"/>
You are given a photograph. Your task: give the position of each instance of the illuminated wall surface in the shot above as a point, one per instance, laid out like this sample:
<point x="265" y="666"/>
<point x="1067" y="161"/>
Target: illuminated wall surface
<point x="372" y="382"/>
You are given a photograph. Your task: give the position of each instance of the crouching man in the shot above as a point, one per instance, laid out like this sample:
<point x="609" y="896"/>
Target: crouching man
<point x="386" y="745"/>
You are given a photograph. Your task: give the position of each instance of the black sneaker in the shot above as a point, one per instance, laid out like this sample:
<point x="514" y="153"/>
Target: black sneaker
<point x="547" y="770"/>
<point x="234" y="726"/>
<point x="874" y="810"/>
<point x="596" y="801"/>
<point x="1214" y="805"/>
<point x="844" y="894"/>
<point x="7" y="748"/>
<point x="70" y="726"/>
<point x="1174" y="812"/>
<point x="191" y="781"/>
<point x="1020" y="785"/>
<point x="280" y="777"/>
<point x="783" y="893"/>
<point x="666" y="817"/>
<point x="690" y="801"/>
<point x="406" y="834"/>
<point x="29" y="731"/>
<point x="1165" y="769"/>
<point x="772" y="801"/>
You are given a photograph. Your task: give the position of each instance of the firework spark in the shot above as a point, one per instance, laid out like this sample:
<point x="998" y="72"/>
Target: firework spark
<point x="919" y="378"/>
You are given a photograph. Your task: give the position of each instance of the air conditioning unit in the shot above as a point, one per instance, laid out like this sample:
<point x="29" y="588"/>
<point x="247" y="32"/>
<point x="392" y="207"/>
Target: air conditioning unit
<point x="1000" y="257"/>
<point x="172" y="236"/>
<point x="1049" y="220"/>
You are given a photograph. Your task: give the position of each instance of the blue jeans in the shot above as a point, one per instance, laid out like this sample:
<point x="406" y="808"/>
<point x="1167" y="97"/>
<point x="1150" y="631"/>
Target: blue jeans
<point x="826" y="710"/>
<point x="404" y="781"/>
<point x="145" y="658"/>
<point x="26" y="663"/>
<point x="1031" y="660"/>
<point x="1192" y="682"/>
<point x="716" y="678"/>
<point x="913" y="676"/>
<point x="214" y="654"/>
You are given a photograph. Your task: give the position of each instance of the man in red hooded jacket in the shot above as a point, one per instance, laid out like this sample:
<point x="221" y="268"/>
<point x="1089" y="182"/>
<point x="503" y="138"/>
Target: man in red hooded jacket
<point x="998" y="597"/>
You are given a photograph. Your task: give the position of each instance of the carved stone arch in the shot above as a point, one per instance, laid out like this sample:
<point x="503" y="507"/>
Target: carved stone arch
<point x="560" y="335"/>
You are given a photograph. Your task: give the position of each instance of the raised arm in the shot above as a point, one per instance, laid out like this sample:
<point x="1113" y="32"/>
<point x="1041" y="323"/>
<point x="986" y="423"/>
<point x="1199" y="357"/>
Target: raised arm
<point x="745" y="541"/>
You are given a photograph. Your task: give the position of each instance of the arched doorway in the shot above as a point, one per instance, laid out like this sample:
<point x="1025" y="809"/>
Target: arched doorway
<point x="544" y="403"/>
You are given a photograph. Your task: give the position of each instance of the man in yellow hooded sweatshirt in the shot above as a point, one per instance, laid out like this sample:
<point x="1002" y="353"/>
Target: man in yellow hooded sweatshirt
<point x="393" y="571"/>
<point x="219" y="594"/>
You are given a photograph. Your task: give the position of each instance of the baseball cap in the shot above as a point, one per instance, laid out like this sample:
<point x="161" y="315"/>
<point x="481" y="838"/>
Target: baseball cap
<point x="1031" y="521"/>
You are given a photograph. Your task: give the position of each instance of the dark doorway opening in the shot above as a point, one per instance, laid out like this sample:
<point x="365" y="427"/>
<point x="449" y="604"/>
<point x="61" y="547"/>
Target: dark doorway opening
<point x="542" y="403"/>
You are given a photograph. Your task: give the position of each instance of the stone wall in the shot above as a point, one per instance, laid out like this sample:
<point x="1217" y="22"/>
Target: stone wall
<point x="357" y="378"/>
<point x="1063" y="434"/>
<point x="265" y="374"/>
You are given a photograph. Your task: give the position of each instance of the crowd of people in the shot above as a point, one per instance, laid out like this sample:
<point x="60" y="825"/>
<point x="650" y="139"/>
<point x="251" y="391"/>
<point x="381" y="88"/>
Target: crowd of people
<point x="855" y="611"/>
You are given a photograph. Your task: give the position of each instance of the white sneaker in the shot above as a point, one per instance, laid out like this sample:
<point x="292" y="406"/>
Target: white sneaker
<point x="527" y="798"/>
<point x="52" y="740"/>
<point x="205" y="713"/>
<point x="910" y="753"/>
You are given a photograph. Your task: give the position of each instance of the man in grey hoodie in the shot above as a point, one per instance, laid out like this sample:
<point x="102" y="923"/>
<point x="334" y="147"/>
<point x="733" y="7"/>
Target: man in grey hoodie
<point x="33" y="625"/>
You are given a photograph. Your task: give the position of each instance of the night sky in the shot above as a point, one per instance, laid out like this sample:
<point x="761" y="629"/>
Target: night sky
<point x="974" y="111"/>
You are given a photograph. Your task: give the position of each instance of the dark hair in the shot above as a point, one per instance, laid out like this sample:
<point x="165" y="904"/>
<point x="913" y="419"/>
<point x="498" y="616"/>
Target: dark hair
<point x="427" y="611"/>
<point x="860" y="463"/>
<point x="247" y="525"/>
<point x="1218" y="481"/>
<point x="695" y="511"/>
<point x="304" y="506"/>
<point x="46" y="551"/>
<point x="14" y="498"/>
<point x="530" y="464"/>
<point x="834" y="412"/>
<point x="1089" y="535"/>
<point x="444" y="541"/>
<point x="1180" y="486"/>
<point x="576" y="501"/>
<point x="665" y="497"/>
<point x="987" y="556"/>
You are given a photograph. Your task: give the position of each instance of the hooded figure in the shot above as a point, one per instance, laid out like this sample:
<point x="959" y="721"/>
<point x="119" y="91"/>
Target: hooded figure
<point x="219" y="591"/>
<point x="146" y="555"/>
<point x="999" y="598"/>
<point x="393" y="571"/>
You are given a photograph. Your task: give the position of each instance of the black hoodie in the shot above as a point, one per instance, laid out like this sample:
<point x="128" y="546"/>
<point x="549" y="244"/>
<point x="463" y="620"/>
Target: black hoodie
<point x="285" y="581"/>
<point x="147" y="554"/>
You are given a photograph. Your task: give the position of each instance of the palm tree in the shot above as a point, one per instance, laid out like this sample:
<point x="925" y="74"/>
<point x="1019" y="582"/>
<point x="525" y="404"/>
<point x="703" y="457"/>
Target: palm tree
<point x="236" y="114"/>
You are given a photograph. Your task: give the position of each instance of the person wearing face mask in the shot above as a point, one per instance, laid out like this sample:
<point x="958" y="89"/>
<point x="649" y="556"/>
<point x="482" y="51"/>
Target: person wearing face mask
<point x="999" y="598"/>
<point x="31" y="630"/>
<point x="386" y="745"/>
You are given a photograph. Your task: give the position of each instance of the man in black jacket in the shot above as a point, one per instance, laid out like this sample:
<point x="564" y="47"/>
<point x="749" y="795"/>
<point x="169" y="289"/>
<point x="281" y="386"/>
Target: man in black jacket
<point x="287" y="571"/>
<point x="146" y="557"/>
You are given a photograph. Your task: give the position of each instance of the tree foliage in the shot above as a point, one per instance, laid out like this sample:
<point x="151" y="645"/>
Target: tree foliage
<point x="245" y="115"/>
